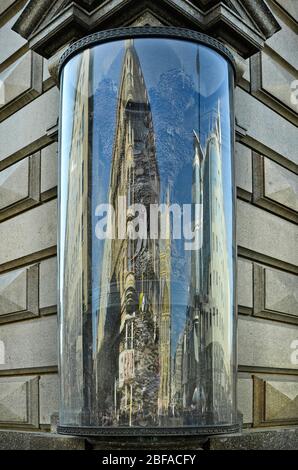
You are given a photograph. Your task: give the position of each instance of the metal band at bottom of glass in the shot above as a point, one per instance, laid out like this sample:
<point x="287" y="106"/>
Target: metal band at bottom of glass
<point x="118" y="432"/>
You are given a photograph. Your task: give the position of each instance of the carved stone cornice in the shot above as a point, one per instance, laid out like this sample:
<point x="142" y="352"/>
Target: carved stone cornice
<point x="48" y="25"/>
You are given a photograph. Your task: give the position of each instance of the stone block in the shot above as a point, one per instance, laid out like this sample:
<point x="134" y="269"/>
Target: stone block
<point x="13" y="41"/>
<point x="20" y="83"/>
<point x="48" y="397"/>
<point x="20" y="186"/>
<point x="30" y="344"/>
<point x="277" y="79"/>
<point x="34" y="119"/>
<point x="266" y="344"/>
<point x="19" y="401"/>
<point x="14" y="183"/>
<point x="49" y="167"/>
<point x="48" y="283"/>
<point x="281" y="292"/>
<point x="265" y="233"/>
<point x="29" y="232"/>
<point x="15" y="79"/>
<point x="244" y="283"/>
<point x="281" y="400"/>
<point x="243" y="167"/>
<point x="275" y="294"/>
<point x="284" y="42"/>
<point x="265" y="128"/>
<point x="275" y="400"/>
<point x="19" y="294"/>
<point x="281" y="185"/>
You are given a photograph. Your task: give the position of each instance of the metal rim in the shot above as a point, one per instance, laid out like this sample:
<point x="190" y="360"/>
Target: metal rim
<point x="145" y="32"/>
<point x="142" y="432"/>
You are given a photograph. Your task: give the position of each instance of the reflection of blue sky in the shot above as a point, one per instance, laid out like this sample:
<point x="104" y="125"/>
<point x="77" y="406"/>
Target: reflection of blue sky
<point x="184" y="82"/>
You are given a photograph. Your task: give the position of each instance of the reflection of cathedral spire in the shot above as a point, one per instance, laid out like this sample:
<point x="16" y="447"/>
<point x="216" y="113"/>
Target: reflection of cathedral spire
<point x="134" y="318"/>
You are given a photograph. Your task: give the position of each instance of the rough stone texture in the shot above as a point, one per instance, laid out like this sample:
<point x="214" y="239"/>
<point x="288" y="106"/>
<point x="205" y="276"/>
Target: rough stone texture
<point x="243" y="167"/>
<point x="264" y="343"/>
<point x="268" y="234"/>
<point x="29" y="232"/>
<point x="281" y="291"/>
<point x="48" y="397"/>
<point x="275" y="439"/>
<point x="32" y="343"/>
<point x="49" y="162"/>
<point x="14" y="183"/>
<point x="13" y="440"/>
<point x="33" y="129"/>
<point x="244" y="283"/>
<point x="48" y="283"/>
<point x="281" y="185"/>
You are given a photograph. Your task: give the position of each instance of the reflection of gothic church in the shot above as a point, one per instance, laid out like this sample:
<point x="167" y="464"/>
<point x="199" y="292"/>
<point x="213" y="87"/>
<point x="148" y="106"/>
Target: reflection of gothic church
<point x="133" y="338"/>
<point x="202" y="371"/>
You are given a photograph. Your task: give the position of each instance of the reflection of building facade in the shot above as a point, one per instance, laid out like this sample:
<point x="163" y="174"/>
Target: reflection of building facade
<point x="77" y="251"/>
<point x="133" y="336"/>
<point x="203" y="387"/>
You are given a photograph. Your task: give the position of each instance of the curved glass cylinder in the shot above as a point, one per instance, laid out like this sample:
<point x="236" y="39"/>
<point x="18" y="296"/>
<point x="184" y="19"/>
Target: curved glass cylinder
<point x="146" y="240"/>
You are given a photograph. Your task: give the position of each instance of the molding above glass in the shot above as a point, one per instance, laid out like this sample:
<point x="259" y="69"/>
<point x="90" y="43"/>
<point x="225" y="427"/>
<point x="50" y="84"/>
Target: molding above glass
<point x="145" y="32"/>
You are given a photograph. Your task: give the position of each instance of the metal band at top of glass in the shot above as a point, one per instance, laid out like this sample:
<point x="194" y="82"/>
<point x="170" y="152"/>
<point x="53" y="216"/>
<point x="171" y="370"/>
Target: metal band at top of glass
<point x="145" y="32"/>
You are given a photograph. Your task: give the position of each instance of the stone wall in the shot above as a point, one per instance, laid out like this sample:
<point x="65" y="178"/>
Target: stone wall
<point x="28" y="269"/>
<point x="267" y="190"/>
